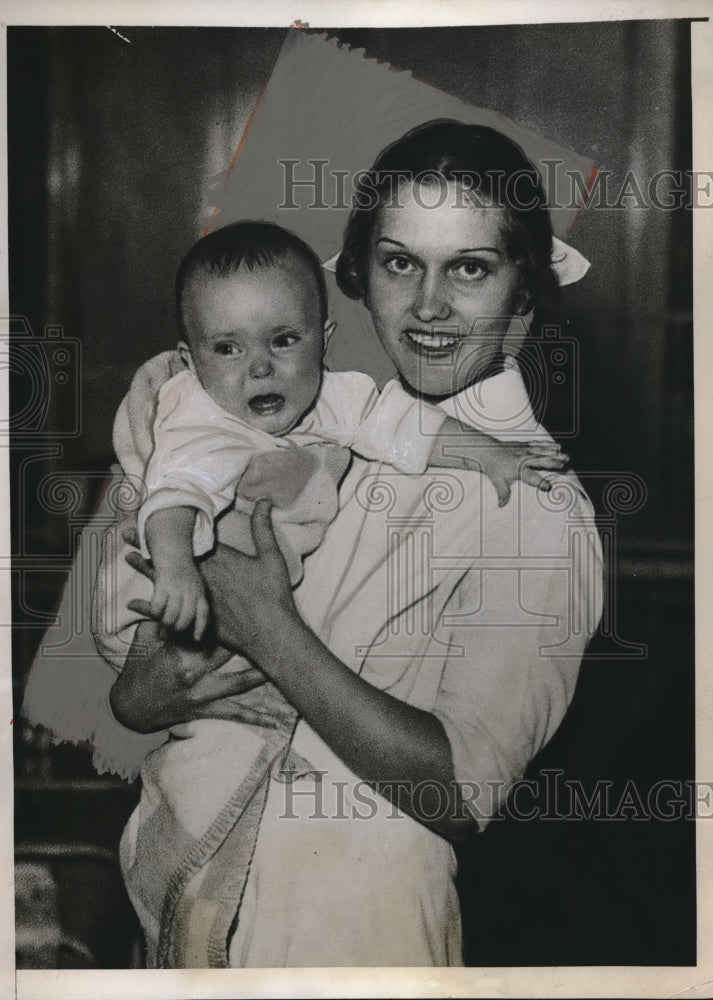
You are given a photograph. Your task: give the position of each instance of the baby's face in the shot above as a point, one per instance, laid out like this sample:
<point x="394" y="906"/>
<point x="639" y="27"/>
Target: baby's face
<point x="257" y="340"/>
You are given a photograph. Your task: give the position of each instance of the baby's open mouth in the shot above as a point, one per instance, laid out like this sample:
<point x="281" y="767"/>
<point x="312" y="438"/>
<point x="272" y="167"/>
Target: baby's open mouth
<point x="266" y="405"/>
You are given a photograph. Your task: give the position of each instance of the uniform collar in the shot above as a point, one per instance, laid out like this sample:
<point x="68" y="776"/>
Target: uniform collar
<point x="498" y="405"/>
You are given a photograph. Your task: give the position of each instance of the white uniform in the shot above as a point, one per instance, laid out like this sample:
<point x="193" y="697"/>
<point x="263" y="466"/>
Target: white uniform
<point x="480" y="615"/>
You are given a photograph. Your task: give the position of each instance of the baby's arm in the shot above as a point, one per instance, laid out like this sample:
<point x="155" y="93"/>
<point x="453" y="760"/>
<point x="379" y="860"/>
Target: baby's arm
<point x="460" y="446"/>
<point x="178" y="592"/>
<point x="190" y="479"/>
<point x="410" y="434"/>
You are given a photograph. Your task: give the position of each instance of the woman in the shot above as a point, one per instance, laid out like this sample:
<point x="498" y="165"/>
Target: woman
<point x="434" y="645"/>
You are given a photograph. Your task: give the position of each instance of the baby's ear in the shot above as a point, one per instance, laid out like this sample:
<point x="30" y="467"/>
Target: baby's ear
<point x="186" y="356"/>
<point x="329" y="328"/>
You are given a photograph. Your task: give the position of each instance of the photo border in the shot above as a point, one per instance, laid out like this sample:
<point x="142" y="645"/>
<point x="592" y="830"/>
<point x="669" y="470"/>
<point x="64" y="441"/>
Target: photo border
<point x="587" y="981"/>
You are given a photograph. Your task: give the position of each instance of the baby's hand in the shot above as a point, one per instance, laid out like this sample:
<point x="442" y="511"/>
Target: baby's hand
<point x="179" y="598"/>
<point x="278" y="476"/>
<point x="462" y="447"/>
<point x="505" y="461"/>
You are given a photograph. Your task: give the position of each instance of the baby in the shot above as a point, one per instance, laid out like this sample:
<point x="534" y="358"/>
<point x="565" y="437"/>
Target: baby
<point x="254" y="414"/>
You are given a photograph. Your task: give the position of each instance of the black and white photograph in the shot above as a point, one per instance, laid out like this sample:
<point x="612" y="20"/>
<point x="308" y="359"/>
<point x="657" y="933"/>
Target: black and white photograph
<point x="350" y="549"/>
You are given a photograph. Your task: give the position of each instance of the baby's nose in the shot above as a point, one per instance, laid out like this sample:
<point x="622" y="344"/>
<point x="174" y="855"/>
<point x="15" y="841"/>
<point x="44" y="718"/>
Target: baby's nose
<point x="260" y="365"/>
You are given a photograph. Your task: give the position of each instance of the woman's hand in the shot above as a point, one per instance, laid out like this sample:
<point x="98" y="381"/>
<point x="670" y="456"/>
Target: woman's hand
<point x="165" y="683"/>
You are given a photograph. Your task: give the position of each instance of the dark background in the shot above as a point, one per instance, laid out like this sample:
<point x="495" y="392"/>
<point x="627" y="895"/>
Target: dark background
<point x="111" y="150"/>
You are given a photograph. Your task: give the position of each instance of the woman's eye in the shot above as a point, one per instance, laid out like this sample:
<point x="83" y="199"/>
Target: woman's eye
<point x="284" y="340"/>
<point x="227" y="350"/>
<point x="470" y="270"/>
<point x="399" y="265"/>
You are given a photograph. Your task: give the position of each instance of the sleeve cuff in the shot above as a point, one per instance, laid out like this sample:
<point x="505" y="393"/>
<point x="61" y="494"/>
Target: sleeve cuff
<point x="481" y="797"/>
<point x="400" y="430"/>
<point x="425" y="423"/>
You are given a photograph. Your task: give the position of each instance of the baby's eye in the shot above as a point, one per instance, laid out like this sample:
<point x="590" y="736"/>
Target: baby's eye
<point x="283" y="340"/>
<point x="470" y="270"/>
<point x="398" y="264"/>
<point x="227" y="349"/>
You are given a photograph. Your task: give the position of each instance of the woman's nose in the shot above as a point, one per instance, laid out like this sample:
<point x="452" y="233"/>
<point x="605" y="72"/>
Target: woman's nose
<point x="260" y="365"/>
<point x="431" y="301"/>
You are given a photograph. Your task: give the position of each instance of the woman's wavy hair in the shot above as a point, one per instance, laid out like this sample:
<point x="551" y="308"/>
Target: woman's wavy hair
<point x="492" y="166"/>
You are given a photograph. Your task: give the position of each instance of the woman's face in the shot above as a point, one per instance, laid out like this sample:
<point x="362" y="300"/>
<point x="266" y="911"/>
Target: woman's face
<point x="441" y="287"/>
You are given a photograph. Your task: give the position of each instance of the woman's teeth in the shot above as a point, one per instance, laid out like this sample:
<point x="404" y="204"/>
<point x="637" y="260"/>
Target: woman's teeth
<point x="433" y="339"/>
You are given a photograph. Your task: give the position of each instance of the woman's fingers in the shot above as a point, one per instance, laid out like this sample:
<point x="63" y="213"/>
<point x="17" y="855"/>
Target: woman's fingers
<point x="223" y="685"/>
<point x="137" y="562"/>
<point x="143" y="608"/>
<point x="186" y="613"/>
<point x="248" y="593"/>
<point x="227" y="708"/>
<point x="263" y="533"/>
<point x="159" y="606"/>
<point x="172" y="610"/>
<point x="222" y="691"/>
<point x="201" y="622"/>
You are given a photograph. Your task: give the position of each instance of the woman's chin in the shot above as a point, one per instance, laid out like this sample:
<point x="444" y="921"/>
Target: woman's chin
<point x="439" y="381"/>
<point x="437" y="374"/>
<point x="432" y="389"/>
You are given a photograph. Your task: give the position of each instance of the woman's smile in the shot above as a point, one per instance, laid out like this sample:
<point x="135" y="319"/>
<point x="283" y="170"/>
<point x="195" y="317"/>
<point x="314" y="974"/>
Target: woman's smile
<point x="433" y="341"/>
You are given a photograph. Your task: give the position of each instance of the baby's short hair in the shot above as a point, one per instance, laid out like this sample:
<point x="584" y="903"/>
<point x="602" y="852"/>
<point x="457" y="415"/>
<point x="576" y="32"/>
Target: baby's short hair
<point x="250" y="245"/>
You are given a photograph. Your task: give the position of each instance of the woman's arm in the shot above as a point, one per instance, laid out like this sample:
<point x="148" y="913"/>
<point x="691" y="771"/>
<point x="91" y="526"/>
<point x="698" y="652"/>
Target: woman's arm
<point x="393" y="746"/>
<point x="386" y="742"/>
